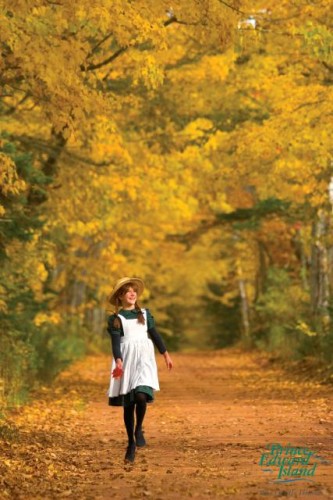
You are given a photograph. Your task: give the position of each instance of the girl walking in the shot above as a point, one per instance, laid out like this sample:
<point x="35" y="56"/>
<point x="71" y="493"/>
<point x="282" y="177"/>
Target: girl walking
<point x="134" y="376"/>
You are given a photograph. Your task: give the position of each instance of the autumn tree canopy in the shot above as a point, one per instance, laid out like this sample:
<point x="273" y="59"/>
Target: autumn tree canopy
<point x="187" y="144"/>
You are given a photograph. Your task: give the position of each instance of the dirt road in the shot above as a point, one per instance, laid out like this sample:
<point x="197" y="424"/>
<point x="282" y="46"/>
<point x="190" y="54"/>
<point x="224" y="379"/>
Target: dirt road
<point x="206" y="432"/>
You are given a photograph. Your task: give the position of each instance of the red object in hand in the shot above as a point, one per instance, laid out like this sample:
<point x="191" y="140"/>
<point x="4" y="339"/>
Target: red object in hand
<point x="117" y="372"/>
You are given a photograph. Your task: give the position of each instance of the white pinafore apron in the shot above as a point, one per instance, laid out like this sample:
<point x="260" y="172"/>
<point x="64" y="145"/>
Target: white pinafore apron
<point x="139" y="363"/>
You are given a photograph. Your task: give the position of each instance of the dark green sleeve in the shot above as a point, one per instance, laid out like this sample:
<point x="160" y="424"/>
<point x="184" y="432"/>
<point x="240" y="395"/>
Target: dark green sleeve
<point x="115" y="337"/>
<point x="154" y="335"/>
<point x="150" y="320"/>
<point x="112" y="329"/>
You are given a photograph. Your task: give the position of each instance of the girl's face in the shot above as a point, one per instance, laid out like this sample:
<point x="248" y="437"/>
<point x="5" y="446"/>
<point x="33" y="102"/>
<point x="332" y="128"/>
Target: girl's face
<point x="128" y="299"/>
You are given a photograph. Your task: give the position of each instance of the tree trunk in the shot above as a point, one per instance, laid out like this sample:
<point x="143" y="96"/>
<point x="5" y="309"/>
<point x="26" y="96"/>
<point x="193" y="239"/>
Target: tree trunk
<point x="244" y="305"/>
<point x="320" y="286"/>
<point x="261" y="274"/>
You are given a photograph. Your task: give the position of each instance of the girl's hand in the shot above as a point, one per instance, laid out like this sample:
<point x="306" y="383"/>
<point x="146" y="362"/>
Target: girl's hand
<point x="118" y="371"/>
<point x="168" y="360"/>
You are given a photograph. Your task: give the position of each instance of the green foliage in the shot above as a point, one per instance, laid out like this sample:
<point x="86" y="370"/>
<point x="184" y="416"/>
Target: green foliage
<point x="58" y="346"/>
<point x="285" y="323"/>
<point x="222" y="323"/>
<point x="249" y="218"/>
<point x="29" y="353"/>
<point x="172" y="329"/>
<point x="318" y="40"/>
<point x="277" y="312"/>
<point x="22" y="217"/>
<point x="326" y="345"/>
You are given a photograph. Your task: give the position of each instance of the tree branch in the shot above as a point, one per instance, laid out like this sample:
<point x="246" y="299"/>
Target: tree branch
<point x="305" y="104"/>
<point x="191" y="237"/>
<point x="233" y="8"/>
<point x="264" y="208"/>
<point x="93" y="50"/>
<point x="12" y="109"/>
<point x="327" y="66"/>
<point x="92" y="67"/>
<point x="55" y="149"/>
<point x="50" y="164"/>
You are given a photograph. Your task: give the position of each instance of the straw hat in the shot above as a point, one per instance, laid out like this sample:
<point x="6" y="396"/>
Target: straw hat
<point x="123" y="281"/>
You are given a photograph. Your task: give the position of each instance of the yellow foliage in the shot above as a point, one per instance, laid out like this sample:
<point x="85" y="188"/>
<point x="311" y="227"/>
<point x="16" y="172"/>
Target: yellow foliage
<point x="3" y="304"/>
<point x="304" y="328"/>
<point x="51" y="318"/>
<point x="10" y="183"/>
<point x="197" y="129"/>
<point x="156" y="128"/>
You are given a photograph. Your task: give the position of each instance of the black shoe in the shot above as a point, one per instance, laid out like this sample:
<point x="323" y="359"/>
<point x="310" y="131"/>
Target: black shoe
<point x="130" y="453"/>
<point x="139" y="438"/>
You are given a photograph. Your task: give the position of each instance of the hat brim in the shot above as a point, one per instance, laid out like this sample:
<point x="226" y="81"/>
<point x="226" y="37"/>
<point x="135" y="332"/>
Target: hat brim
<point x="125" y="281"/>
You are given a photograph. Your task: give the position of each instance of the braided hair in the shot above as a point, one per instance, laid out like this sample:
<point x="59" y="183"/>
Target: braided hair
<point x="120" y="292"/>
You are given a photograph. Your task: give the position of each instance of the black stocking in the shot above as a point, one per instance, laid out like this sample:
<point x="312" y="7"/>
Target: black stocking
<point x="141" y="405"/>
<point x="129" y="422"/>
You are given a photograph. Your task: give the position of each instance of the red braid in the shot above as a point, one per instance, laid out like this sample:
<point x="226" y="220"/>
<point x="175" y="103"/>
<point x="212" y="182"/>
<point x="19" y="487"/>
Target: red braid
<point x="116" y="321"/>
<point x="141" y="318"/>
